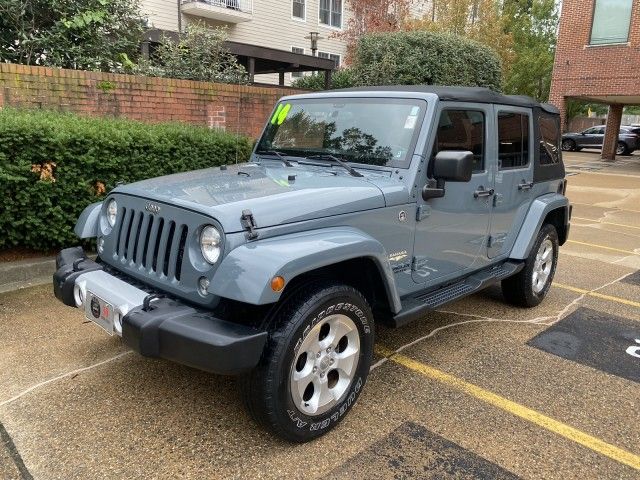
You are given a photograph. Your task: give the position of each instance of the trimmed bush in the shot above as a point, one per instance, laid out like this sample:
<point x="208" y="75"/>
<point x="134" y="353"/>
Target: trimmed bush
<point x="417" y="58"/>
<point x="53" y="165"/>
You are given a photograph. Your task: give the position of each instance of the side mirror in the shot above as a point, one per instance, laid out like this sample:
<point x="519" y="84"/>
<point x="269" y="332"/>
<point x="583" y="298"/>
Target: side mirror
<point x="453" y="166"/>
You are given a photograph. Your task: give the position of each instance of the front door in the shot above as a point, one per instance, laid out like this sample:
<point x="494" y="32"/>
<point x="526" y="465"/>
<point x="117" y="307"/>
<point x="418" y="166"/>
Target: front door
<point x="451" y="231"/>
<point x="514" y="177"/>
<point x="592" y="137"/>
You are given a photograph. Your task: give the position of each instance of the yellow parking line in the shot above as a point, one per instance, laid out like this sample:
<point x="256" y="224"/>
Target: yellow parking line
<point x="629" y="252"/>
<point x="559" y="428"/>
<point x="597" y="294"/>
<point x="605" y="223"/>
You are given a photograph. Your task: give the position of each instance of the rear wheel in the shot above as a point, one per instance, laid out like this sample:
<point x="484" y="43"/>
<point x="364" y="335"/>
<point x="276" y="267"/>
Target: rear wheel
<point x="528" y="287"/>
<point x="622" y="149"/>
<point x="568" y="145"/>
<point x="315" y="363"/>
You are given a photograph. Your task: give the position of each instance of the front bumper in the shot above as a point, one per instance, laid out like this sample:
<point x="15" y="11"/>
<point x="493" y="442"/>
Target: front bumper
<point x="156" y="326"/>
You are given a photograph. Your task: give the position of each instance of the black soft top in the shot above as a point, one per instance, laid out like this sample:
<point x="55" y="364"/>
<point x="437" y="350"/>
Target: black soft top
<point x="462" y="94"/>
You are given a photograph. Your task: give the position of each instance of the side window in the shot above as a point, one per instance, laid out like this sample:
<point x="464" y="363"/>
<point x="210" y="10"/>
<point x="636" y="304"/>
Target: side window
<point x="549" y="139"/>
<point x="513" y="140"/>
<point x="462" y="130"/>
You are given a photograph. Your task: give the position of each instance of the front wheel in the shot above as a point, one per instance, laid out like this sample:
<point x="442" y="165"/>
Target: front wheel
<point x="530" y="285"/>
<point x="315" y="363"/>
<point x="568" y="145"/>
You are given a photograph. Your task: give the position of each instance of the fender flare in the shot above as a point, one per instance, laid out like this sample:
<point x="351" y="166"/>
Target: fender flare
<point x="87" y="224"/>
<point x="245" y="273"/>
<point x="538" y="211"/>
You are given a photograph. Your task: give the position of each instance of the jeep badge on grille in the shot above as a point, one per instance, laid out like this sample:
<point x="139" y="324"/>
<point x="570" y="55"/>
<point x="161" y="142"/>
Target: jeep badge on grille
<point x="152" y="208"/>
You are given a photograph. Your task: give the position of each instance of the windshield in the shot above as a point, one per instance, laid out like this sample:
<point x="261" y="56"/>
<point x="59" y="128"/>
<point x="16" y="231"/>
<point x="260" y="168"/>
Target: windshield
<point x="373" y="131"/>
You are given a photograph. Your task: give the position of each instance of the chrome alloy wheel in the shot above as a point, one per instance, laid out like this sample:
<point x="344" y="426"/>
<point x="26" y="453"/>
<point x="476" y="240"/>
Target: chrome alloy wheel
<point x="542" y="266"/>
<point x="325" y="364"/>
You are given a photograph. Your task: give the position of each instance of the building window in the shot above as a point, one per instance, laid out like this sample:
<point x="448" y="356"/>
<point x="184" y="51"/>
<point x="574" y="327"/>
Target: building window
<point x="330" y="56"/>
<point x="513" y="140"/>
<point x="297" y="50"/>
<point x="611" y="20"/>
<point x="331" y="13"/>
<point x="462" y="130"/>
<point x="299" y="9"/>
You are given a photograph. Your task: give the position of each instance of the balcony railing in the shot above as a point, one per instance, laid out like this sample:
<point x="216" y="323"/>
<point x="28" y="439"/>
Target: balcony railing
<point x="232" y="11"/>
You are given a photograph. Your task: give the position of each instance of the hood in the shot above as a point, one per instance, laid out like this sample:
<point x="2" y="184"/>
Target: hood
<point x="268" y="191"/>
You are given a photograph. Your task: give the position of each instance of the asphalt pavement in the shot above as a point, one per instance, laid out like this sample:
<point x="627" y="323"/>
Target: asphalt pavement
<point x="477" y="389"/>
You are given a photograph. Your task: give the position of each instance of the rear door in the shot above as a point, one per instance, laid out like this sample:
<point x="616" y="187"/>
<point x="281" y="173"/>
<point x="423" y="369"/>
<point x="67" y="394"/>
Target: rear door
<point x="513" y="138"/>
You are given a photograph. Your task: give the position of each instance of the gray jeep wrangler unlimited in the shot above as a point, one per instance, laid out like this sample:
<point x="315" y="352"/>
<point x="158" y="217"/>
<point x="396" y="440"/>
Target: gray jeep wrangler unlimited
<point x="357" y="206"/>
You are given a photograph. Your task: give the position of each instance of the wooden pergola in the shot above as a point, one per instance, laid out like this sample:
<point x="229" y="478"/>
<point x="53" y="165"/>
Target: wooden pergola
<point x="258" y="60"/>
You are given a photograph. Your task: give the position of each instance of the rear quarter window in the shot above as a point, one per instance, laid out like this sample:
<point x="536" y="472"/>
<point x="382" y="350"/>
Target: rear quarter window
<point x="549" y="139"/>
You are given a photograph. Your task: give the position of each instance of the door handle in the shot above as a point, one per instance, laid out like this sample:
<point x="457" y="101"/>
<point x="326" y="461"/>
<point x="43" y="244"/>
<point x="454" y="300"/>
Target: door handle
<point x="525" y="185"/>
<point x="481" y="192"/>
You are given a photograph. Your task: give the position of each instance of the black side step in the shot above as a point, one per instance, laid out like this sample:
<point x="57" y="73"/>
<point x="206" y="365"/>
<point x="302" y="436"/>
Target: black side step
<point x="416" y="305"/>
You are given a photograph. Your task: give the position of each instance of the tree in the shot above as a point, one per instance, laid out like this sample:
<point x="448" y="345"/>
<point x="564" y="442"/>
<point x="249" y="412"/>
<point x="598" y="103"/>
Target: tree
<point x="533" y="25"/>
<point x="368" y="16"/>
<point x="199" y="54"/>
<point x="79" y="34"/>
<point x="479" y="20"/>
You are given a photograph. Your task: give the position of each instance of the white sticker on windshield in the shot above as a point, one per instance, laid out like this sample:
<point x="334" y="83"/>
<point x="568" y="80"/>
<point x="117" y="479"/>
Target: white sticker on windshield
<point x="410" y="123"/>
<point x="414" y="111"/>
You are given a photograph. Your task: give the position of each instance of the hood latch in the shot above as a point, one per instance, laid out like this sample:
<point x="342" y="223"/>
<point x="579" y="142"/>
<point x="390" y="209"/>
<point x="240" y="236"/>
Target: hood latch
<point x="248" y="223"/>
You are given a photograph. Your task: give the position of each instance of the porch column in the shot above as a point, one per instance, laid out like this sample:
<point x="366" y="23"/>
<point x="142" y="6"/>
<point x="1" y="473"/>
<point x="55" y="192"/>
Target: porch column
<point x="327" y="79"/>
<point x="251" y="67"/>
<point x="611" y="132"/>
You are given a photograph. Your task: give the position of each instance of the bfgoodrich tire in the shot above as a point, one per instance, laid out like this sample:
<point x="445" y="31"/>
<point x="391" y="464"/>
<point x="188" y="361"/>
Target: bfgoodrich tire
<point x="528" y="287"/>
<point x="315" y="362"/>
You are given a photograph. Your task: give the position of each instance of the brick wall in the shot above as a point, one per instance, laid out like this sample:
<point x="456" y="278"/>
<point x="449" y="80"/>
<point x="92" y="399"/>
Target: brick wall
<point x="581" y="70"/>
<point x="235" y="108"/>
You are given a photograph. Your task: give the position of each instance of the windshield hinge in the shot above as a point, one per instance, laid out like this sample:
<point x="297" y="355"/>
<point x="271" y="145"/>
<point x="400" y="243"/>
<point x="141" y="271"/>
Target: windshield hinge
<point x="248" y="223"/>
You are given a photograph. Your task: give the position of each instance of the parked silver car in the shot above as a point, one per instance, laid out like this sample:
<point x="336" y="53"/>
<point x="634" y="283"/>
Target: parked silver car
<point x="628" y="139"/>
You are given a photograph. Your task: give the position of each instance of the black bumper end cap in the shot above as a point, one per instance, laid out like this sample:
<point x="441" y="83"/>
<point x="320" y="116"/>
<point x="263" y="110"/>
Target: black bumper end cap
<point x="180" y="333"/>
<point x="70" y="263"/>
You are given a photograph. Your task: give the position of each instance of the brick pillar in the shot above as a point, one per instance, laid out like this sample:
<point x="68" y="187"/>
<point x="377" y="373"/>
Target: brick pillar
<point x="611" y="132"/>
<point x="560" y="101"/>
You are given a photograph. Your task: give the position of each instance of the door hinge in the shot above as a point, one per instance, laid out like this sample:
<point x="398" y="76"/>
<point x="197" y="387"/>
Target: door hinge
<point x="249" y="223"/>
<point x="422" y="212"/>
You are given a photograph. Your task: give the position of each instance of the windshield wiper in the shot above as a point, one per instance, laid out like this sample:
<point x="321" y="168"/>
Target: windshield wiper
<point x="326" y="156"/>
<point x="277" y="154"/>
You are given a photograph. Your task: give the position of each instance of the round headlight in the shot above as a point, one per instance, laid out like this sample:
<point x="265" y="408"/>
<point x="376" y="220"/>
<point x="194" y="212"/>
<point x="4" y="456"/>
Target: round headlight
<point x="112" y="212"/>
<point x="210" y="243"/>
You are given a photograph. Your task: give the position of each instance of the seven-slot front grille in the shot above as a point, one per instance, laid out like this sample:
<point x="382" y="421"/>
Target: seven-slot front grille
<point x="150" y="242"/>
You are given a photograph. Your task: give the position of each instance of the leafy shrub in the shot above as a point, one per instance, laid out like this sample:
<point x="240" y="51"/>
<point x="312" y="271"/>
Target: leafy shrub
<point x="342" y="78"/>
<point x="53" y="165"/>
<point x="417" y="58"/>
<point x="79" y="34"/>
<point x="199" y="54"/>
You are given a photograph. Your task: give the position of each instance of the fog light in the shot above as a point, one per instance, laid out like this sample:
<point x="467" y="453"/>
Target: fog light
<point x="203" y="286"/>
<point x="100" y="244"/>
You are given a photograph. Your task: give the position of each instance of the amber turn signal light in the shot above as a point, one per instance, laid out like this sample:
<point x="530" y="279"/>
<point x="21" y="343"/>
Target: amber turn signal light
<point x="277" y="284"/>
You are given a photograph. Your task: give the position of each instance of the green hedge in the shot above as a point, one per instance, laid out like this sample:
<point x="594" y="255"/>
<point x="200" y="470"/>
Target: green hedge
<point x="415" y="58"/>
<point x="87" y="157"/>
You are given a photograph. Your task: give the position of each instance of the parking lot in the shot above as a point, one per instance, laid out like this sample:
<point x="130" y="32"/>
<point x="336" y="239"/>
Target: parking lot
<point x="476" y="390"/>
